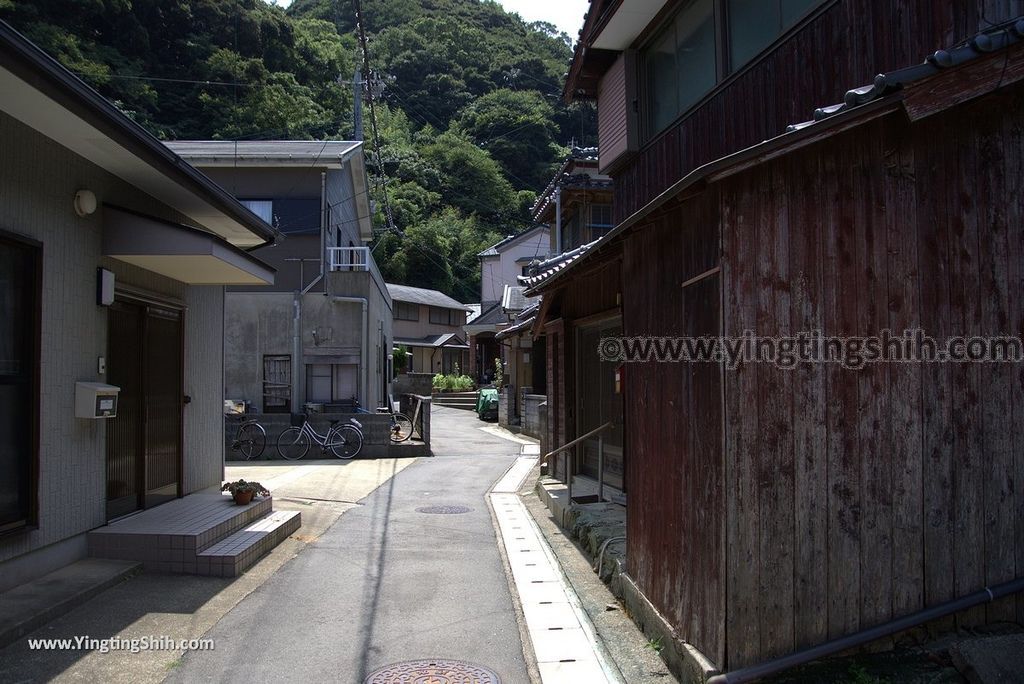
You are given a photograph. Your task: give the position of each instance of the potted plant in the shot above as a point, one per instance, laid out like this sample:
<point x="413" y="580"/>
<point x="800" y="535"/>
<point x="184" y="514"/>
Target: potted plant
<point x="243" y="491"/>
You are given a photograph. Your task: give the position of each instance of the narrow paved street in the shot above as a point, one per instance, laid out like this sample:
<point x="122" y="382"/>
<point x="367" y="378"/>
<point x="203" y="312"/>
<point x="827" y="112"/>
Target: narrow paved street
<point x="386" y="583"/>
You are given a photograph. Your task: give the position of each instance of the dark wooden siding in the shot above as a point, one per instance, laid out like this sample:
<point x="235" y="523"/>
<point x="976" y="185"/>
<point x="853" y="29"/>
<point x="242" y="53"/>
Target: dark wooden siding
<point x="844" y="47"/>
<point x="673" y="426"/>
<point x="833" y="499"/>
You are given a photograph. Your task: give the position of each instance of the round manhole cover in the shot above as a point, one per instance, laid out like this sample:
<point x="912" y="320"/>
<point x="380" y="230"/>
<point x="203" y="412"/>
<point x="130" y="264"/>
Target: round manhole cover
<point x="444" y="510"/>
<point x="433" y="672"/>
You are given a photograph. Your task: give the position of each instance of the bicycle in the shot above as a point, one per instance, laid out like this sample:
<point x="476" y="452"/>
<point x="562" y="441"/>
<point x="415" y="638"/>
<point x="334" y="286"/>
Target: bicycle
<point x="343" y="440"/>
<point x="401" y="427"/>
<point x="250" y="439"/>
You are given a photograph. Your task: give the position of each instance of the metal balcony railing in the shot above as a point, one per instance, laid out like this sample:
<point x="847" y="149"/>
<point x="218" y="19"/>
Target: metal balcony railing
<point x="355" y="259"/>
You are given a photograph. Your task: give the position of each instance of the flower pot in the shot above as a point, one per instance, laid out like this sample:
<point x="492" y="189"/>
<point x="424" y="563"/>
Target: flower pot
<point x="243" y="498"/>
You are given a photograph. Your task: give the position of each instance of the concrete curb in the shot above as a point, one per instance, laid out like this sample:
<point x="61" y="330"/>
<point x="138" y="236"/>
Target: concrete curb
<point x="32" y="605"/>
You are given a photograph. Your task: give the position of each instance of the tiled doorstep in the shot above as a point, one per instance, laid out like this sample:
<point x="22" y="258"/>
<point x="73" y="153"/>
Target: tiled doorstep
<point x="562" y="637"/>
<point x="236" y="553"/>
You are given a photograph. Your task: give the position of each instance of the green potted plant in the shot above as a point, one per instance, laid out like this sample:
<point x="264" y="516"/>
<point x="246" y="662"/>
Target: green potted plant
<point x="243" y="491"/>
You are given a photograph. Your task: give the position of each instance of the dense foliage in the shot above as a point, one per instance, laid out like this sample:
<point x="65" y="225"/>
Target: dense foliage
<point x="471" y="121"/>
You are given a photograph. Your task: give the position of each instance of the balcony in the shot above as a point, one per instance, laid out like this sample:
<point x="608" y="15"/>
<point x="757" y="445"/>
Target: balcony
<point x="342" y="261"/>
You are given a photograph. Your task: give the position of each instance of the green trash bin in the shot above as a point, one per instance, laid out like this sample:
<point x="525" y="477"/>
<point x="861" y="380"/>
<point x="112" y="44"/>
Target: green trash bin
<point x="487" y="404"/>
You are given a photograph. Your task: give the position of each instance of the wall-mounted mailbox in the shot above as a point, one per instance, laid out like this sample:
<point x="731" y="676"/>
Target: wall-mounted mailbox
<point x="95" y="400"/>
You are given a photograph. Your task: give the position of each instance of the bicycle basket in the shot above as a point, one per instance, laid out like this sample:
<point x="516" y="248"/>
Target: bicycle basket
<point x="298" y="419"/>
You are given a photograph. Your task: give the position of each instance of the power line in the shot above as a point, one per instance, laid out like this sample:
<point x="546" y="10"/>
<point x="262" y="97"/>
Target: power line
<point x="361" y="28"/>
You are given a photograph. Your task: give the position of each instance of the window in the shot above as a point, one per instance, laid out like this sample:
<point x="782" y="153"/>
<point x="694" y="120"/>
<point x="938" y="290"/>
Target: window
<point x="681" y="65"/>
<point x="600" y="220"/>
<point x="755" y="24"/>
<point x="20" y="269"/>
<point x="694" y="51"/>
<point x="407" y="311"/>
<point x="444" y="316"/>
<point x="571" y="233"/>
<point x="262" y="208"/>
<point x="277" y="383"/>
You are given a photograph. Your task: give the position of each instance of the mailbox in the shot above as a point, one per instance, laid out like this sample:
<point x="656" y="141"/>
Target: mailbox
<point x="95" y="400"/>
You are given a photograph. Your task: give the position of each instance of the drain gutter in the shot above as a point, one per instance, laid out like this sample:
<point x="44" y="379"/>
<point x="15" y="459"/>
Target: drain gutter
<point x="986" y="595"/>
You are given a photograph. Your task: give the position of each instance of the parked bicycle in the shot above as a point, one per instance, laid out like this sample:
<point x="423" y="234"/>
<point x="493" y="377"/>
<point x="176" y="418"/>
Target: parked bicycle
<point x="401" y="427"/>
<point x="343" y="440"/>
<point x="250" y="439"/>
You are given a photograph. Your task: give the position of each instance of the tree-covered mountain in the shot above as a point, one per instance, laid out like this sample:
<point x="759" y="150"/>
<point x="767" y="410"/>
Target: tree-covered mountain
<point x="470" y="117"/>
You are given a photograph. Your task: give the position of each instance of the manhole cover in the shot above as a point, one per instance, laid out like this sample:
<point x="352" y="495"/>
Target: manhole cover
<point x="433" y="672"/>
<point x="444" y="510"/>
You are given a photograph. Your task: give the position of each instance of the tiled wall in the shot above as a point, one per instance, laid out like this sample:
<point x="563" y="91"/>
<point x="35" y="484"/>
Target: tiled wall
<point x="38" y="181"/>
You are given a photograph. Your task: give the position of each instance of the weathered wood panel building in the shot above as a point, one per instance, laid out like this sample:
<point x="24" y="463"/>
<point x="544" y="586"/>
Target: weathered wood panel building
<point x="772" y="509"/>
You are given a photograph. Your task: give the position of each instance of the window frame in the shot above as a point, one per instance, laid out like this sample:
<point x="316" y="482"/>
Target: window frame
<point x="725" y="72"/>
<point x="447" y="316"/>
<point x="288" y="401"/>
<point x="407" y="306"/>
<point x="34" y="333"/>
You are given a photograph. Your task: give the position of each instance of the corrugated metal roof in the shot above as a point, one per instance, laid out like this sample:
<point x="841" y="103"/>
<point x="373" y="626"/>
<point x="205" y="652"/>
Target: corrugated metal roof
<point x="492" y="316"/>
<point x="306" y="151"/>
<point x="495" y="249"/>
<point x="513" y="299"/>
<point x="419" y="295"/>
<point x="445" y="340"/>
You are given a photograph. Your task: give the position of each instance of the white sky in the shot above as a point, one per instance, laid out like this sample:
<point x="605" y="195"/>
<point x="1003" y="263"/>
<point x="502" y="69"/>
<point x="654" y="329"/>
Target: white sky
<point x="567" y="15"/>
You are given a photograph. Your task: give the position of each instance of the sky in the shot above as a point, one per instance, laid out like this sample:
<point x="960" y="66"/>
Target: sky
<point x="567" y="15"/>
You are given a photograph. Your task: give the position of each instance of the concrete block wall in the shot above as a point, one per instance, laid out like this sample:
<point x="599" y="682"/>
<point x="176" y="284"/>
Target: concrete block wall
<point x="531" y="414"/>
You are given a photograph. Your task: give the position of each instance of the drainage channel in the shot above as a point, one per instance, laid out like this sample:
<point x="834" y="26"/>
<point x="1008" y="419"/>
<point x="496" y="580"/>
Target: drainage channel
<point x="564" y="640"/>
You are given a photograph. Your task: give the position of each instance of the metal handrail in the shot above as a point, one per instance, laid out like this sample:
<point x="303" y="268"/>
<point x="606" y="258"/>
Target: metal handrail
<point x="600" y="460"/>
<point x="574" y="442"/>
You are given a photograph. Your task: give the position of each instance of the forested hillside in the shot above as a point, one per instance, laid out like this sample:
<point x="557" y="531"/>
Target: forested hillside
<point x="471" y="121"/>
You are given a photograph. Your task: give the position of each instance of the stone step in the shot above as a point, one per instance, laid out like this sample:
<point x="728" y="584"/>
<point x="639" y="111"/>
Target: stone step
<point x="237" y="552"/>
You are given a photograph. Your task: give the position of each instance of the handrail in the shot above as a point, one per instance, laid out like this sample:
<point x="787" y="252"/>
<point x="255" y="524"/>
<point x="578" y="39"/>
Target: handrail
<point x="574" y="442"/>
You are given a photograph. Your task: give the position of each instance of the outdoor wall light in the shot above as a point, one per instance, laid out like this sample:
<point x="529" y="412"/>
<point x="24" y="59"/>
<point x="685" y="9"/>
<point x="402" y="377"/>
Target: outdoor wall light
<point x="85" y="202"/>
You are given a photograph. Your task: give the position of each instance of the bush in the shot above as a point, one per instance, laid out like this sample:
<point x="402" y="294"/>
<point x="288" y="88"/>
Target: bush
<point x="452" y="383"/>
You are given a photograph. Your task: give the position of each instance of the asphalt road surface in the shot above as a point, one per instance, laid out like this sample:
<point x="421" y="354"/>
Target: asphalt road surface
<point x="385" y="583"/>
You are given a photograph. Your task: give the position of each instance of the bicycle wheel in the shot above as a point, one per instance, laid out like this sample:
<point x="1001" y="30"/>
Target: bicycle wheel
<point x="344" y="441"/>
<point x="251" y="440"/>
<point x="293" y="443"/>
<point x="401" y="427"/>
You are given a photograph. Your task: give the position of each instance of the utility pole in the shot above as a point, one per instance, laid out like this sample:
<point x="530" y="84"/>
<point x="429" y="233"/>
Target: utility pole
<point x="357" y="102"/>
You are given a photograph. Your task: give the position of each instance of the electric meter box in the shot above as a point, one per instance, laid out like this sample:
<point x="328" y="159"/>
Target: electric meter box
<point x="95" y="400"/>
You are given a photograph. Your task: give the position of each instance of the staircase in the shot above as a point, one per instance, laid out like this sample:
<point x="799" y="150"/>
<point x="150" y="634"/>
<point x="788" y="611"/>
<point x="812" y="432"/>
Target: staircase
<point x="458" y="400"/>
<point x="201" y="534"/>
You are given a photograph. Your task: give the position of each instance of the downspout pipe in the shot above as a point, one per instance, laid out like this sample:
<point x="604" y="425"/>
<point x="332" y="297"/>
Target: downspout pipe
<point x="363" y="357"/>
<point x="986" y="595"/>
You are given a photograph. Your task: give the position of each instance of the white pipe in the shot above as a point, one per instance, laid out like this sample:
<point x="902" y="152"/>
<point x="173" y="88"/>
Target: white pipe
<point x="558" y="220"/>
<point x="366" y="341"/>
<point x="298" y="377"/>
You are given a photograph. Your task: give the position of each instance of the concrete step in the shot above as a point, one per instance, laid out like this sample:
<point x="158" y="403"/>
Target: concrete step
<point x="26" y="607"/>
<point x="237" y="552"/>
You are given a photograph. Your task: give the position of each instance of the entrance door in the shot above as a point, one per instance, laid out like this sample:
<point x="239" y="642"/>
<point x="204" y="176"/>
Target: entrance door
<point x="598" y="403"/>
<point x="144" y="359"/>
